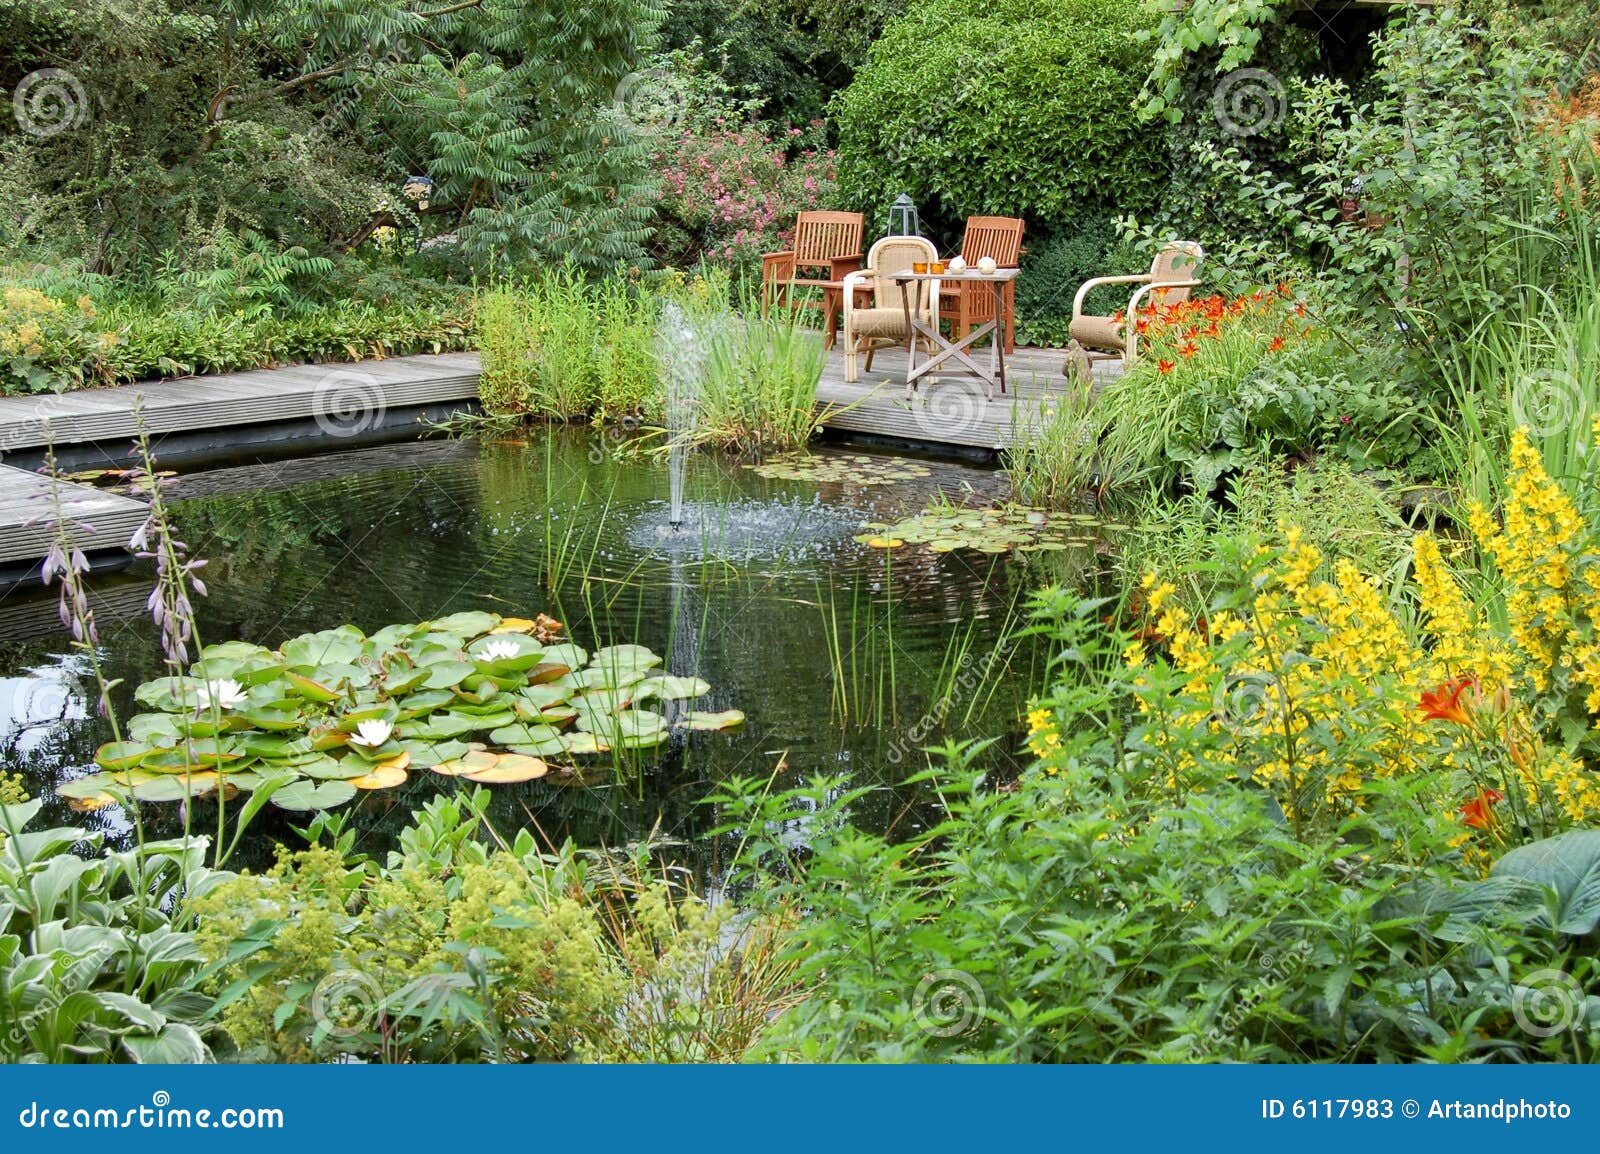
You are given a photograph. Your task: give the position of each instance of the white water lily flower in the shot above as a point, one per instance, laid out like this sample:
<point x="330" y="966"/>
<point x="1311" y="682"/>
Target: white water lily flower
<point x="372" y="733"/>
<point x="225" y="694"/>
<point x="500" y="650"/>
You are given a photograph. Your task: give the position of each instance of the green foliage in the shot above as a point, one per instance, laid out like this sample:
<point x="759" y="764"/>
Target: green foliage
<point x="1020" y="109"/>
<point x="563" y="347"/>
<point x="47" y="343"/>
<point x="465" y="947"/>
<point x="1196" y="539"/>
<point x="1232" y="27"/>
<point x="1097" y="911"/>
<point x="95" y="965"/>
<point x="762" y="367"/>
<point x="757" y="51"/>
<point x="301" y="120"/>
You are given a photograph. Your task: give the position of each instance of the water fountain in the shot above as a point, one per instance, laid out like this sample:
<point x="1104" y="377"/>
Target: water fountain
<point x="680" y="351"/>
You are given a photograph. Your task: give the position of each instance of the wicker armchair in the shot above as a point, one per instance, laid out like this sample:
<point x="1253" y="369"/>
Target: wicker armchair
<point x="882" y="323"/>
<point x="827" y="246"/>
<point x="968" y="305"/>
<point x="1172" y="274"/>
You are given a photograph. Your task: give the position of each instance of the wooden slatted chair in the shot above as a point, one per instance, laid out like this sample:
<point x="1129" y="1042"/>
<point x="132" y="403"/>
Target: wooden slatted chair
<point x="966" y="306"/>
<point x="827" y="248"/>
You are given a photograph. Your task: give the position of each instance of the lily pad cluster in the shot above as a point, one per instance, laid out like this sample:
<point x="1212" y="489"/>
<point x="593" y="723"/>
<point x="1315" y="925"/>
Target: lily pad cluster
<point x="329" y="714"/>
<point x="998" y="530"/>
<point x="855" y="470"/>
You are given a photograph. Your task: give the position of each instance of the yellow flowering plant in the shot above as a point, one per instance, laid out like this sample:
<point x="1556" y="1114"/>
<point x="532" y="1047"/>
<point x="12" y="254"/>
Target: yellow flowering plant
<point x="1311" y="683"/>
<point x="47" y="343"/>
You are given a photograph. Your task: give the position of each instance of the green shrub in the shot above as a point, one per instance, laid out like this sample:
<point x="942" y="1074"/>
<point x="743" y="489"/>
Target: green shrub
<point x="468" y="947"/>
<point x="48" y="344"/>
<point x="1020" y="108"/>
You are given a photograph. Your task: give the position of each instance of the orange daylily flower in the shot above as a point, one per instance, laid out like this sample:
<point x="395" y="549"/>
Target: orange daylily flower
<point x="1189" y="349"/>
<point x="1444" y="702"/>
<point x="1167" y="366"/>
<point x="1476" y="812"/>
<point x="1277" y="343"/>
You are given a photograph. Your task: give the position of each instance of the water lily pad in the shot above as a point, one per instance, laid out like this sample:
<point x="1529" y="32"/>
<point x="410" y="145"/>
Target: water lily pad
<point x="311" y="689"/>
<point x="510" y="769"/>
<point x="122" y="754"/>
<point x="152" y="728"/>
<point x="341" y="646"/>
<point x="523" y="733"/>
<point x="325" y="768"/>
<point x="568" y="654"/>
<point x="427" y="754"/>
<point x="467" y="624"/>
<point x="515" y="625"/>
<point x="855" y="469"/>
<point x="666" y="687"/>
<point x="305" y="795"/>
<point x="469" y="762"/>
<point x="384" y="775"/>
<point x="699" y="720"/>
<point x="282" y="716"/>
<point x="581" y="742"/>
<point x="93" y="785"/>
<point x="448" y="674"/>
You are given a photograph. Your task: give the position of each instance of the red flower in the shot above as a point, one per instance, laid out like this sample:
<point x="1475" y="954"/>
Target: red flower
<point x="1277" y="343"/>
<point x="1167" y="366"/>
<point x="1189" y="349"/>
<point x="1444" y="702"/>
<point x="1476" y="812"/>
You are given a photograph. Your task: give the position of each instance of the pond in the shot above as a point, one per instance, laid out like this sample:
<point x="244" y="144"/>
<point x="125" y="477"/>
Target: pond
<point x="845" y="658"/>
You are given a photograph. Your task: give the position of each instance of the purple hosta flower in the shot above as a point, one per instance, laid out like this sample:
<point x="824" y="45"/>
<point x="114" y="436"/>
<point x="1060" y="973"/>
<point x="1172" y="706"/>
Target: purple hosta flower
<point x="372" y="733"/>
<point x="224" y="694"/>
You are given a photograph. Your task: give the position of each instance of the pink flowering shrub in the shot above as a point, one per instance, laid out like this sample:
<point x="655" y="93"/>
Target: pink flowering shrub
<point x="730" y="189"/>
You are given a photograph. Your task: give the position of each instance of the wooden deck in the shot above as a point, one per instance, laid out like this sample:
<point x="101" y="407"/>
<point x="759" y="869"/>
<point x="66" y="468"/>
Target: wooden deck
<point x="952" y="411"/>
<point x="26" y="512"/>
<point x="342" y="398"/>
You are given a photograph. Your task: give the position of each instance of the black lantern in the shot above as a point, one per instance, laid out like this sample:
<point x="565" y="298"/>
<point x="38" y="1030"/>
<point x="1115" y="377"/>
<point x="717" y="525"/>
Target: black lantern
<point x="903" y="218"/>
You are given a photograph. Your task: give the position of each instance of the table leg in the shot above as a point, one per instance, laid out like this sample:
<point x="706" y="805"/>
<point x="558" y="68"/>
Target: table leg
<point x="999" y="338"/>
<point x="830" y="315"/>
<point x="911" y="340"/>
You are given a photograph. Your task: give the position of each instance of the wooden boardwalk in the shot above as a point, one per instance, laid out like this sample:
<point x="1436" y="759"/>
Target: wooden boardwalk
<point x="344" y="399"/>
<point x="952" y="411"/>
<point x="26" y="512"/>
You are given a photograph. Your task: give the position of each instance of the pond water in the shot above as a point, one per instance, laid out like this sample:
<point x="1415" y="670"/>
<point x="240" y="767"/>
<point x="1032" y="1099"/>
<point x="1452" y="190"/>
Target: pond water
<point x="843" y="657"/>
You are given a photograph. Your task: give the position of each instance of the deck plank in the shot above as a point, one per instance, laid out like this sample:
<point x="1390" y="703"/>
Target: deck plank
<point x="225" y="399"/>
<point x="26" y="510"/>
